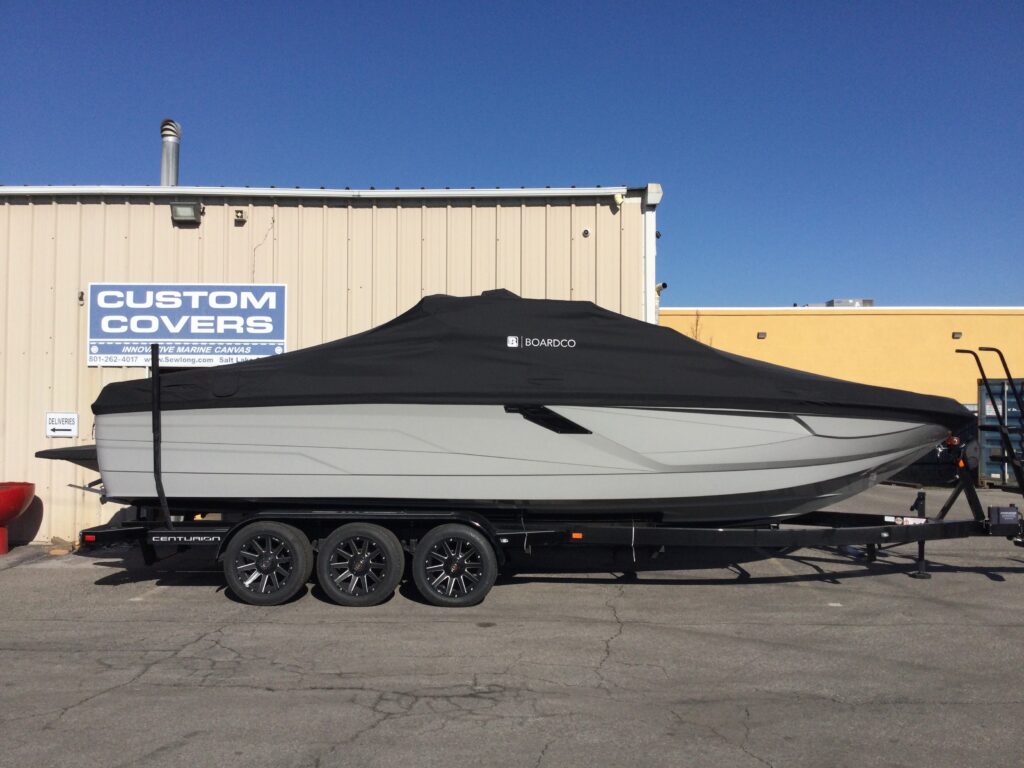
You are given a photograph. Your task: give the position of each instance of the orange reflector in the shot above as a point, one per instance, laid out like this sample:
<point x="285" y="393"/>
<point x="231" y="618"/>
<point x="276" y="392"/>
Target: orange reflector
<point x="960" y="463"/>
<point x="577" y="535"/>
<point x="90" y="537"/>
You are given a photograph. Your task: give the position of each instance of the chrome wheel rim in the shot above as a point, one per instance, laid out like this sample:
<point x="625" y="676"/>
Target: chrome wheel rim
<point x="358" y="565"/>
<point x="454" y="567"/>
<point x="265" y="564"/>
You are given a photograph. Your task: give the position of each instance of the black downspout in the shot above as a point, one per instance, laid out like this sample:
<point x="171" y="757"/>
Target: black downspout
<point x="154" y="351"/>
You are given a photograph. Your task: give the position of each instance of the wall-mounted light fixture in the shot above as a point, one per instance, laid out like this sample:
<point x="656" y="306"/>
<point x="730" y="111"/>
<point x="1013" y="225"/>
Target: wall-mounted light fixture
<point x="957" y="334"/>
<point x="186" y="212"/>
<point x="762" y="334"/>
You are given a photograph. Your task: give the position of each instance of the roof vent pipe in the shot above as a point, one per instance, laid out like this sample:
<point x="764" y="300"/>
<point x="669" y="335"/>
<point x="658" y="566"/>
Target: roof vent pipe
<point x="170" y="133"/>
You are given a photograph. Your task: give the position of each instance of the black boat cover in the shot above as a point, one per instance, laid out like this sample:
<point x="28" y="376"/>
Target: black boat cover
<point x="500" y="349"/>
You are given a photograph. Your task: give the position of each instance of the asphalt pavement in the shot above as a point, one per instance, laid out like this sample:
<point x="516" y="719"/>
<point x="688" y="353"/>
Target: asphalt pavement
<point x="816" y="659"/>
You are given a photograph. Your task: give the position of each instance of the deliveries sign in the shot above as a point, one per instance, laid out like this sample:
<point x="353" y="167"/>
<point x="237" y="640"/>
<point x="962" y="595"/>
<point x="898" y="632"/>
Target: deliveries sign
<point x="194" y="324"/>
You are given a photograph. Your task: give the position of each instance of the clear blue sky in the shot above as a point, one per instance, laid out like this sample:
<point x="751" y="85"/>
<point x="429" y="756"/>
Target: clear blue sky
<point x="807" y="150"/>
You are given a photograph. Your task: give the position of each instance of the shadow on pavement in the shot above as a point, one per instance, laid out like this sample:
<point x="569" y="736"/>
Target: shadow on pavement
<point x="818" y="561"/>
<point x="189" y="568"/>
<point x="197" y="568"/>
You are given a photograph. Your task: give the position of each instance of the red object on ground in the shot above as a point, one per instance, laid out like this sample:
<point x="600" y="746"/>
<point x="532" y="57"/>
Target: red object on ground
<point x="14" y="499"/>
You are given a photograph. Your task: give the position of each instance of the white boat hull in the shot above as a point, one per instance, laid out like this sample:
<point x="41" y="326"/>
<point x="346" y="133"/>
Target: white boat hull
<point x="688" y="464"/>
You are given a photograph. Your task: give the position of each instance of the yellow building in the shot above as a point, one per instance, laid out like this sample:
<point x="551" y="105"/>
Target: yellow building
<point x="909" y="348"/>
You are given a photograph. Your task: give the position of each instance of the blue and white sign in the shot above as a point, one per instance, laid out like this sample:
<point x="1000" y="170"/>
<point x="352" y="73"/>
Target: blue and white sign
<point x="195" y="324"/>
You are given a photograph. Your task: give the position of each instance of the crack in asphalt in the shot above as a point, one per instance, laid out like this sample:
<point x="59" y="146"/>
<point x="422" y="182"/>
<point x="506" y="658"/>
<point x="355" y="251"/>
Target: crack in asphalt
<point x="615" y="635"/>
<point x="62" y="712"/>
<point x="544" y="752"/>
<point x="741" y="744"/>
<point x="367" y="687"/>
<point x="163" y="749"/>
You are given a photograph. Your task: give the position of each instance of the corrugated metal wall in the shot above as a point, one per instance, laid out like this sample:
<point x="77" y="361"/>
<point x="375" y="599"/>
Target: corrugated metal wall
<point x="348" y="266"/>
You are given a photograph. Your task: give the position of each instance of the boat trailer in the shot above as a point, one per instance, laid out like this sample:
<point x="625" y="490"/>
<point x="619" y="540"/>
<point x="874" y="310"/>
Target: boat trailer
<point x="515" y="538"/>
<point x="873" y="532"/>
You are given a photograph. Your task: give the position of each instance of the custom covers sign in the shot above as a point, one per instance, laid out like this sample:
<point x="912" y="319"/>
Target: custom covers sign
<point x="195" y="324"/>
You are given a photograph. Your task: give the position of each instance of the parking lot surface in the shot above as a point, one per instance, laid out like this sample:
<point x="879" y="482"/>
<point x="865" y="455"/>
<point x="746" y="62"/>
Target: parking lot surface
<point x="815" y="659"/>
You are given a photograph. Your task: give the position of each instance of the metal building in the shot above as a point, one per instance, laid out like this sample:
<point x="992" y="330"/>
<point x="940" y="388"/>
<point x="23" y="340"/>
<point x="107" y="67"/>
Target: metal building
<point x="350" y="259"/>
<point x="911" y="348"/>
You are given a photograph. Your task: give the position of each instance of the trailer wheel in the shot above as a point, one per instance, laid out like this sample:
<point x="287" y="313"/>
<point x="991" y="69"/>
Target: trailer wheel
<point x="266" y="563"/>
<point x="454" y="566"/>
<point x="360" y="564"/>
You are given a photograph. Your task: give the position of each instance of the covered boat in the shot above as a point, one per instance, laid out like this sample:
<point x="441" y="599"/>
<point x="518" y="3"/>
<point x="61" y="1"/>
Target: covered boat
<point x="495" y="402"/>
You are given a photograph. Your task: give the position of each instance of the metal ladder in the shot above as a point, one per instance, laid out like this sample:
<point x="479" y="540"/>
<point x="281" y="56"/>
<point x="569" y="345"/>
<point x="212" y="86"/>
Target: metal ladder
<point x="1006" y="432"/>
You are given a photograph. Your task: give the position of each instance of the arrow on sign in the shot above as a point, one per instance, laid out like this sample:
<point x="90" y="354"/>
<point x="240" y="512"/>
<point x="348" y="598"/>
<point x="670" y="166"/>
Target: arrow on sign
<point x="61" y="424"/>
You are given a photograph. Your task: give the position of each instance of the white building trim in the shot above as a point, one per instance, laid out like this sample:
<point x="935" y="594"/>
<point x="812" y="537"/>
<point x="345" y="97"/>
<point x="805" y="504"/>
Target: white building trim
<point x="652" y="196"/>
<point x="280" y="192"/>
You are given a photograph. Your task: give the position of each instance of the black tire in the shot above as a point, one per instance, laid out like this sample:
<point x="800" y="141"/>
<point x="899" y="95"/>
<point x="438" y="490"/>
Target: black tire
<point x="360" y="564"/>
<point x="267" y="563"/>
<point x="454" y="566"/>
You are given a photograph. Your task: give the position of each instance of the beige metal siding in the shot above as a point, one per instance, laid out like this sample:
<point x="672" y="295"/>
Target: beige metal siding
<point x="348" y="265"/>
<point x="607" y="254"/>
<point x="558" y="246"/>
<point x="534" y="258"/>
<point x="631" y="254"/>
<point x="508" y="268"/>
<point x="410" y="257"/>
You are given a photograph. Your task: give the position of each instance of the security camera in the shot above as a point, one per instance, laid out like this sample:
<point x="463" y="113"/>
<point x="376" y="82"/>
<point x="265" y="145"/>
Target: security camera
<point x="660" y="287"/>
